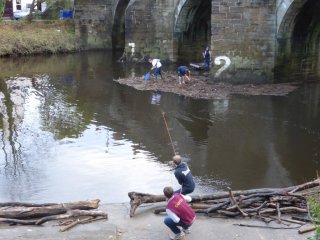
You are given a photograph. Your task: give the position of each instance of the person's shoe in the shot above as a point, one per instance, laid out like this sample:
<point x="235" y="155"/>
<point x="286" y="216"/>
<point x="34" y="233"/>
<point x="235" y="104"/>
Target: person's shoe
<point x="186" y="230"/>
<point x="177" y="236"/>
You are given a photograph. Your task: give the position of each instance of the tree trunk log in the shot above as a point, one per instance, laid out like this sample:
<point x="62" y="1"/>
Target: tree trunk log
<point x="136" y="199"/>
<point x="72" y="213"/>
<point x="287" y="199"/>
<point x="308" y="228"/>
<point x="21" y="212"/>
<point x="17" y="221"/>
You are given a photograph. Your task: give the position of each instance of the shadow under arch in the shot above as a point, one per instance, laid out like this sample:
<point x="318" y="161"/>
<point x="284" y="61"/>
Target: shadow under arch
<point x="192" y="29"/>
<point x="118" y="26"/>
<point x="298" y="41"/>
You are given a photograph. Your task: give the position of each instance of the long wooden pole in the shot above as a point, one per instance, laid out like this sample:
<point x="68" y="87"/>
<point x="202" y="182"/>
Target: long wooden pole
<point x="165" y="122"/>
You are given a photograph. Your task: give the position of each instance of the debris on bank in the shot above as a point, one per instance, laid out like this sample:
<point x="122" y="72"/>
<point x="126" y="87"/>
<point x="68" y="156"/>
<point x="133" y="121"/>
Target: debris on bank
<point x="68" y="214"/>
<point x="283" y="205"/>
<point x="202" y="87"/>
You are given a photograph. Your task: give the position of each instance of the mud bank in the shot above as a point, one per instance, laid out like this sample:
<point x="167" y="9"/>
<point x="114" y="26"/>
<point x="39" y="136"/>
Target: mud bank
<point x="203" y="88"/>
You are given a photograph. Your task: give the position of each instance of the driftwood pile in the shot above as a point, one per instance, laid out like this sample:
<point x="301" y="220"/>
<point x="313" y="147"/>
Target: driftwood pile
<point x="284" y="205"/>
<point x="68" y="214"/>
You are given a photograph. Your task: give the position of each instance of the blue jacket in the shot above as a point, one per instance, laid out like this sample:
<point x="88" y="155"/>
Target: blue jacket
<point x="184" y="177"/>
<point x="182" y="70"/>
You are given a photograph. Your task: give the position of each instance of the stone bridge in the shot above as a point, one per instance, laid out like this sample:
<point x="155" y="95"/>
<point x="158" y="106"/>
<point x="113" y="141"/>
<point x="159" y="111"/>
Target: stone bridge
<point x="266" y="40"/>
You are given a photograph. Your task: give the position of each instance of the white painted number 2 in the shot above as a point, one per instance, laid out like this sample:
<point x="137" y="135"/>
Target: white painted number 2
<point x="218" y="61"/>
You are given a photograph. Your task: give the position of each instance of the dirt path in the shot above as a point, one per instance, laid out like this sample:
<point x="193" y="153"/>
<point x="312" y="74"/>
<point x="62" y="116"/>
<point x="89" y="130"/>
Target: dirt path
<point x="203" y="87"/>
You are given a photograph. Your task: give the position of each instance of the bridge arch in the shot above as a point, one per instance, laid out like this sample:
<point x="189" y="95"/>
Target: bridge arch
<point x="192" y="28"/>
<point x="298" y="38"/>
<point x="118" y="23"/>
<point x="287" y="11"/>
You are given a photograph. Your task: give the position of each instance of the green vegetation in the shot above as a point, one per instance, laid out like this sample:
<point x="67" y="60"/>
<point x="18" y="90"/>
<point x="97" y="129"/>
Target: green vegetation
<point x="2" y="5"/>
<point x="314" y="204"/>
<point x="53" y="11"/>
<point x="22" y="38"/>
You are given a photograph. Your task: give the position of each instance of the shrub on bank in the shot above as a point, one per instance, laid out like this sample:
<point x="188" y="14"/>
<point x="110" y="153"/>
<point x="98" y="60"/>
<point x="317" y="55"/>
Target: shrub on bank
<point x="22" y="38"/>
<point x="314" y="204"/>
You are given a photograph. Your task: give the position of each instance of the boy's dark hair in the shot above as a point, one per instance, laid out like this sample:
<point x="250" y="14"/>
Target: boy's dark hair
<point x="168" y="192"/>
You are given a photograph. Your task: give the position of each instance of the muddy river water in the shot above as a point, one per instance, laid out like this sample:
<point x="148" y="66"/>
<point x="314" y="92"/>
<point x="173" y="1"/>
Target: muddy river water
<point x="69" y="132"/>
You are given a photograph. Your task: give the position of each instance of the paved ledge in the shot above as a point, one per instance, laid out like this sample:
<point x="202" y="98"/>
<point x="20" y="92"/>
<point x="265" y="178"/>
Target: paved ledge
<point x="146" y="225"/>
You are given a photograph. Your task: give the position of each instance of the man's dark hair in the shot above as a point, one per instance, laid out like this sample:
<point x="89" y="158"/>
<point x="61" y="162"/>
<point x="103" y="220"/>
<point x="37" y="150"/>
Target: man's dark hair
<point x="168" y="192"/>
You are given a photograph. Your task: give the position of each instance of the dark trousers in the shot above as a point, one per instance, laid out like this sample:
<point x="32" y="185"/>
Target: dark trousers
<point x="206" y="63"/>
<point x="174" y="226"/>
<point x="184" y="191"/>
<point x="157" y="72"/>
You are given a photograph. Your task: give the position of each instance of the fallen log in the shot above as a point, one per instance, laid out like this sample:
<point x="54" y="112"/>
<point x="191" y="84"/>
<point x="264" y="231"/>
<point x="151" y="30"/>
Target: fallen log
<point x="71" y="225"/>
<point x="217" y="207"/>
<point x="80" y="221"/>
<point x="234" y="202"/>
<point x="305" y="219"/>
<point x="307" y="228"/>
<point x="259" y="226"/>
<point x="22" y="204"/>
<point x="11" y="221"/>
<point x="72" y="213"/>
<point x="231" y="203"/>
<point x="22" y="212"/>
<point x="287" y="220"/>
<point x="136" y="199"/>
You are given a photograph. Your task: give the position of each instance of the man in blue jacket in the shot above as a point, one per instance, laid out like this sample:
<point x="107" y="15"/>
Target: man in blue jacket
<point x="184" y="72"/>
<point x="183" y="175"/>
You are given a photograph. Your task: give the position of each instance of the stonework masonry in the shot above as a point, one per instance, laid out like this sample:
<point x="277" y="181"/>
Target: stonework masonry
<point x="93" y="23"/>
<point x="244" y="30"/>
<point x="149" y="25"/>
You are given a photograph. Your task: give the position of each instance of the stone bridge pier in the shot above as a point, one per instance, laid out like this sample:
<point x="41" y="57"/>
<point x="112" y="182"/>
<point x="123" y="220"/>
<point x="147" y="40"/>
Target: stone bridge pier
<point x="265" y="40"/>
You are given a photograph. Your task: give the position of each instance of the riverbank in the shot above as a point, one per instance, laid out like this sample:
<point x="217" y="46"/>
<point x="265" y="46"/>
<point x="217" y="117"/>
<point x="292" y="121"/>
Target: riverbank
<point x="38" y="37"/>
<point x="146" y="225"/>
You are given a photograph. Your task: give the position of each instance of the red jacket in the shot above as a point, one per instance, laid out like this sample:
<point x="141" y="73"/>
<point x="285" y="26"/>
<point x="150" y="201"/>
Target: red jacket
<point x="179" y="206"/>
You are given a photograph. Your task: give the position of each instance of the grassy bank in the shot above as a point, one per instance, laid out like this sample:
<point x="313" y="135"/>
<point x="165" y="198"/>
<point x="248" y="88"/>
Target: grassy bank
<point x="38" y="37"/>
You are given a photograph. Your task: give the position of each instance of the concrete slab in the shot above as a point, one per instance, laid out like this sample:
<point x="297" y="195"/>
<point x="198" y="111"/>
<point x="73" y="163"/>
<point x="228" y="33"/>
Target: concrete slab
<point x="146" y="225"/>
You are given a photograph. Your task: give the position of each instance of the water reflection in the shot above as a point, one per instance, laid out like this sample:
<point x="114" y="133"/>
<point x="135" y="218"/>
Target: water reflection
<point x="68" y="132"/>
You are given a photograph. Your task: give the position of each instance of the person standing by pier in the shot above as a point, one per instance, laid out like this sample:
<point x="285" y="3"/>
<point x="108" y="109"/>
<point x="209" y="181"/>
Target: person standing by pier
<point x="207" y="57"/>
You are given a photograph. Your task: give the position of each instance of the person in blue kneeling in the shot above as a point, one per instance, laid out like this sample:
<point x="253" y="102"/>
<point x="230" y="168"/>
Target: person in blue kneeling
<point x="183" y="72"/>
<point x="183" y="176"/>
<point x="180" y="214"/>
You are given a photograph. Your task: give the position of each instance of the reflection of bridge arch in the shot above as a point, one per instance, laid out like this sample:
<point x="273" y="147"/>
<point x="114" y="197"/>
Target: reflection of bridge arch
<point x="298" y="35"/>
<point x="192" y="27"/>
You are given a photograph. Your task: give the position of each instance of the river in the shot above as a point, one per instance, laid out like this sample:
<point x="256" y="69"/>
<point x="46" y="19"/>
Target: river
<point x="70" y="133"/>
